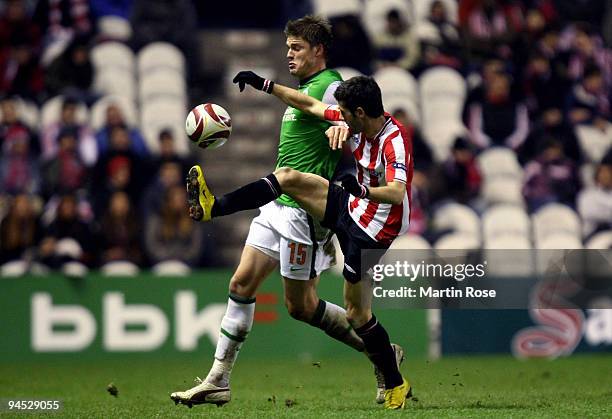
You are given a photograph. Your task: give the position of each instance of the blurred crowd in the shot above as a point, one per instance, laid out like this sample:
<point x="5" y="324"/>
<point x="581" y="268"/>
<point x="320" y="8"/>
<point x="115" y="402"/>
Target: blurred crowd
<point x="536" y="70"/>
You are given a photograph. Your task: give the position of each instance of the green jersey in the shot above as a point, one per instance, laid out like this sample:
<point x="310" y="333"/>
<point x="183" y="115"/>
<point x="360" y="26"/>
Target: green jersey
<point x="303" y="145"/>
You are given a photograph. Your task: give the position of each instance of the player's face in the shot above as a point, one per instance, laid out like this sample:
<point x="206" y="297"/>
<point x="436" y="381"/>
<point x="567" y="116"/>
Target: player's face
<point x="301" y="57"/>
<point x="354" y="122"/>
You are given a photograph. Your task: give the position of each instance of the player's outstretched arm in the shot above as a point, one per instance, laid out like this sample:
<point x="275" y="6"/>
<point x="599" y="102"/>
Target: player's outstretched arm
<point x="391" y="193"/>
<point x="288" y="95"/>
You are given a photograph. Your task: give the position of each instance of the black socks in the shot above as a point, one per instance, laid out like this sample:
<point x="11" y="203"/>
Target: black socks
<point x="379" y="350"/>
<point x="251" y="196"/>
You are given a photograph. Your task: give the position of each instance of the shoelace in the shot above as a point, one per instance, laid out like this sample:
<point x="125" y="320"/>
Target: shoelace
<point x="380" y="378"/>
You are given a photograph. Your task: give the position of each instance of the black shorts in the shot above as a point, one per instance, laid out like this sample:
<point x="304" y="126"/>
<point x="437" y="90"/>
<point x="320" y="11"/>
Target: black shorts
<point x="351" y="237"/>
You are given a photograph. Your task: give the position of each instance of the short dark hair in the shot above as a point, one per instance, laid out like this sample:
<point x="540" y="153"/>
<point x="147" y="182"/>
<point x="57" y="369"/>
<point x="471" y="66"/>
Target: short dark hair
<point x="361" y="91"/>
<point x="315" y="30"/>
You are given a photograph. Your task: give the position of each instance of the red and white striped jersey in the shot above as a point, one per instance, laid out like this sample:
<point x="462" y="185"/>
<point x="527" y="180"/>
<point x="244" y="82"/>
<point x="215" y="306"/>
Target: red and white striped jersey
<point x="386" y="157"/>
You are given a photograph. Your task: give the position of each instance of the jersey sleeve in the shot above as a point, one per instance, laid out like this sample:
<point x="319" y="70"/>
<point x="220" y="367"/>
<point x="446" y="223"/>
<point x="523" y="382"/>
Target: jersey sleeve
<point x="333" y="114"/>
<point x="396" y="158"/>
<point x="328" y="95"/>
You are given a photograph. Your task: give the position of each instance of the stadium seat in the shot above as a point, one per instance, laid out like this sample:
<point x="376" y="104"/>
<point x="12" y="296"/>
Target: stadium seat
<point x="593" y="142"/>
<point x="456" y="246"/>
<point x="14" y="268"/>
<point x="427" y="32"/>
<point x="560" y="240"/>
<point x="457" y="241"/>
<point x="120" y="268"/>
<point x="163" y="110"/>
<point x="375" y="13"/>
<point x="499" y="161"/>
<point x="336" y="8"/>
<point x="28" y="112"/>
<point x="395" y="81"/>
<point x="113" y="55"/>
<point x="98" y="110"/>
<point x="115" y="28"/>
<point x="410" y="242"/>
<point x="171" y="268"/>
<point x="348" y="72"/>
<point x="503" y="190"/>
<point x="441" y="136"/>
<point x="587" y="175"/>
<point x="160" y="55"/>
<point x="442" y="81"/>
<point x="504" y="258"/>
<point x="74" y="269"/>
<point x="421" y="10"/>
<point x="405" y="103"/>
<point x="68" y="247"/>
<point x="458" y="218"/>
<point x="503" y="221"/>
<point x="602" y="240"/>
<point x="161" y="83"/>
<point x="116" y="81"/>
<point x="553" y="219"/>
<point x="51" y="112"/>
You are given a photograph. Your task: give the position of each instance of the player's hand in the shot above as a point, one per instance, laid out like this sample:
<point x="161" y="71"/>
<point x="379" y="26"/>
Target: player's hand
<point x="248" y="77"/>
<point x="351" y="185"/>
<point x="337" y="135"/>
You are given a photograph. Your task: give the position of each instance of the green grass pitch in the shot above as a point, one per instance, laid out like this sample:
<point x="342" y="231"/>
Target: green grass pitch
<point x="576" y="387"/>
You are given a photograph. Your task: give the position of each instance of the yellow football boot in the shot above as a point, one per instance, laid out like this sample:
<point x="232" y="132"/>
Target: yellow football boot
<point x="199" y="197"/>
<point x="395" y="398"/>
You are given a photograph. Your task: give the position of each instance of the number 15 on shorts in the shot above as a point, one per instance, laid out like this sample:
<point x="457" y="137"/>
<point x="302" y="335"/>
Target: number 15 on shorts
<point x="298" y="253"/>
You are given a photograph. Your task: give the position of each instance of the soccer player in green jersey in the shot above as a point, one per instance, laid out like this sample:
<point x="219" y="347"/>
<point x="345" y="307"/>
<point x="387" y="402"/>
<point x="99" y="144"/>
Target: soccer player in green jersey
<point x="284" y="235"/>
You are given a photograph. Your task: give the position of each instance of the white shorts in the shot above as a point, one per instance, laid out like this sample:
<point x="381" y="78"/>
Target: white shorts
<point x="286" y="234"/>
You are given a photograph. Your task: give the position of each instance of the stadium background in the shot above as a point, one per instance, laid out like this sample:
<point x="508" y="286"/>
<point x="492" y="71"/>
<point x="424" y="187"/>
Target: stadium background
<point x="510" y="106"/>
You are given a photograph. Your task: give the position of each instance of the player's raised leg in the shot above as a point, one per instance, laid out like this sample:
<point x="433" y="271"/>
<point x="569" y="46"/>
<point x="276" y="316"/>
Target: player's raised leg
<point x="309" y="190"/>
<point x="236" y="324"/>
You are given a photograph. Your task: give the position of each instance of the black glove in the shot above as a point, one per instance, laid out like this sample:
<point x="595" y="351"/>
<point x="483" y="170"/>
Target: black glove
<point x="351" y="185"/>
<point x="248" y="77"/>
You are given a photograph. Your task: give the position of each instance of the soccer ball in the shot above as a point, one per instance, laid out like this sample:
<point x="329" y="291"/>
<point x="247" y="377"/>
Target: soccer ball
<point x="208" y="125"/>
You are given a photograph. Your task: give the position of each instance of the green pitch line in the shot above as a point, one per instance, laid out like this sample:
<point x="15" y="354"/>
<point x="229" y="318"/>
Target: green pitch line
<point x="578" y="387"/>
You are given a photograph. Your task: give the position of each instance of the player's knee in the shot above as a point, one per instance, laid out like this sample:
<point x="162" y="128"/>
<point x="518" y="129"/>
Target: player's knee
<point x="241" y="285"/>
<point x="357" y="316"/>
<point x="287" y="177"/>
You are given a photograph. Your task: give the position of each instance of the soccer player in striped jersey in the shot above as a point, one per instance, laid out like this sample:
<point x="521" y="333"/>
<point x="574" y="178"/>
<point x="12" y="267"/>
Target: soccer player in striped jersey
<point x="283" y="235"/>
<point x="366" y="213"/>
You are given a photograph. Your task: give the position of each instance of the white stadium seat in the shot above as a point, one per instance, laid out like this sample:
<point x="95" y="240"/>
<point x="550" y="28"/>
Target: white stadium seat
<point x="427" y="32"/>
<point x="171" y="268"/>
<point x="162" y="83"/>
<point x="457" y="241"/>
<point x="334" y="8"/>
<point x="161" y="113"/>
<point x="559" y="241"/>
<point x="405" y="103"/>
<point x="553" y="219"/>
<point x="52" y="108"/>
<point x="441" y="136"/>
<point x="116" y="81"/>
<point x="375" y="13"/>
<point x="499" y="161"/>
<point x="113" y="55"/>
<point x="115" y="27"/>
<point x="502" y="263"/>
<point x="503" y="190"/>
<point x="348" y="72"/>
<point x="410" y="242"/>
<point x="505" y="221"/>
<point x="395" y="81"/>
<point x="120" y="268"/>
<point x="593" y="142"/>
<point x="160" y="55"/>
<point x="458" y="218"/>
<point x="443" y="81"/>
<point x="127" y="107"/>
<point x="602" y="240"/>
